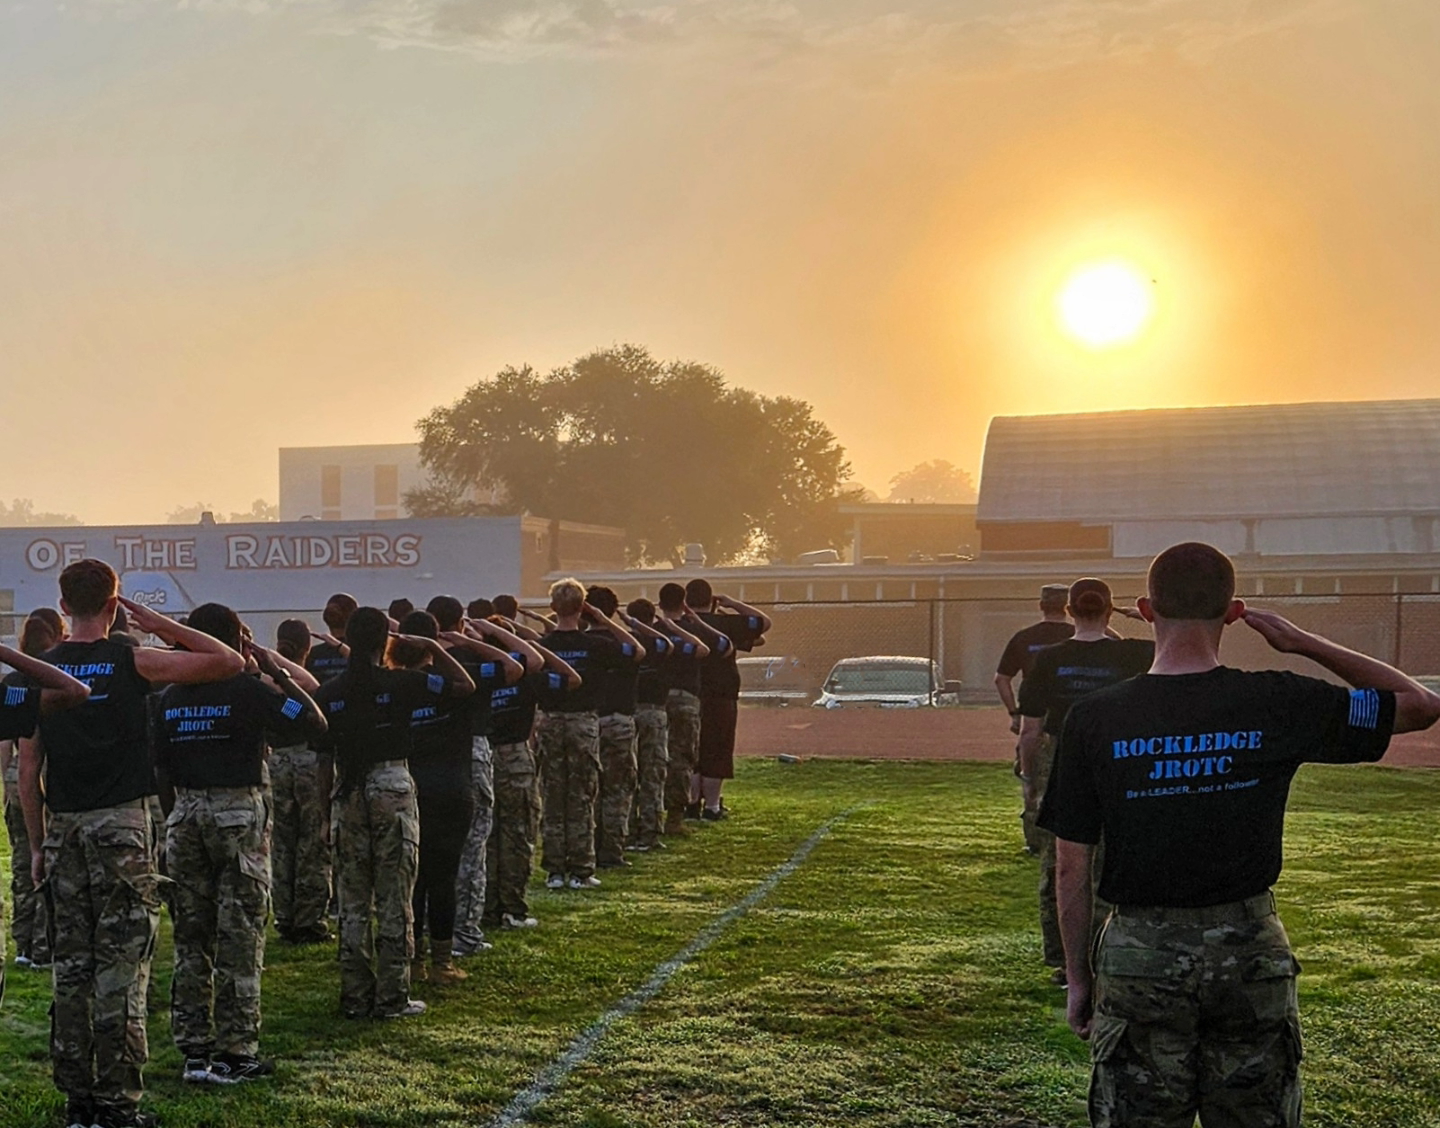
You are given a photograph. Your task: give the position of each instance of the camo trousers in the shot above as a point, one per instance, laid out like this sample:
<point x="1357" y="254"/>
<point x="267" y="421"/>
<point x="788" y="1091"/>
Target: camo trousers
<point x="471" y="878"/>
<point x="217" y="850"/>
<point x="1054" y="947"/>
<point x="618" y="773"/>
<point x="104" y="894"/>
<point x="512" y="838"/>
<point x="683" y="712"/>
<point x="377" y="847"/>
<point x="569" y="779"/>
<point x="1196" y="1013"/>
<point x="652" y="729"/>
<point x="300" y="841"/>
<point x="27" y="921"/>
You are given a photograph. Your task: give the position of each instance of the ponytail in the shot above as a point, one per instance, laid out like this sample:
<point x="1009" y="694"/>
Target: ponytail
<point x="367" y="634"/>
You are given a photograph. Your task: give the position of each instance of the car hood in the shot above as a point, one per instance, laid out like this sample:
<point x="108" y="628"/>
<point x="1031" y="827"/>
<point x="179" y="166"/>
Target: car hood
<point x="828" y="700"/>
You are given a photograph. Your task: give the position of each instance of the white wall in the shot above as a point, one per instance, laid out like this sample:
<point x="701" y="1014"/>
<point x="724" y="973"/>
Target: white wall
<point x="302" y="468"/>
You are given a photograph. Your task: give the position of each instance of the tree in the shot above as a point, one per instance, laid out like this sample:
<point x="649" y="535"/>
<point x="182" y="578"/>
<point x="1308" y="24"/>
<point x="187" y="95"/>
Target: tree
<point x="936" y="482"/>
<point x="21" y="511"/>
<point x="260" y="510"/>
<point x="667" y="451"/>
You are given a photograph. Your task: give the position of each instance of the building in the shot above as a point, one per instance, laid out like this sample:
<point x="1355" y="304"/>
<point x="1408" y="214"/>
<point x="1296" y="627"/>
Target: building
<point x="350" y="483"/>
<point x="888" y="532"/>
<point x="1269" y="481"/>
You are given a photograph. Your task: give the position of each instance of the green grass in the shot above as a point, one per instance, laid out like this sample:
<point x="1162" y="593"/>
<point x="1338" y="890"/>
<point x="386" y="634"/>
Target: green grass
<point x="894" y="980"/>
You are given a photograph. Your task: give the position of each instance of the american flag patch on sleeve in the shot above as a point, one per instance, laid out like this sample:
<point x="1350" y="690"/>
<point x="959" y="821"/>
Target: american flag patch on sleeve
<point x="1364" y="709"/>
<point x="435" y="683"/>
<point x="14" y="696"/>
<point x="291" y="709"/>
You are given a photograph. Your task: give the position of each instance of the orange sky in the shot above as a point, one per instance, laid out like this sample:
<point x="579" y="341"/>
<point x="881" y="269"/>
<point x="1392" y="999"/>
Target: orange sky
<point x="232" y="230"/>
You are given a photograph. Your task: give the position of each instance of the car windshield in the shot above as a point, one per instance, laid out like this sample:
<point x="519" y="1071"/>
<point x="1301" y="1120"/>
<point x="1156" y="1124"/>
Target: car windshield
<point x="879" y="678"/>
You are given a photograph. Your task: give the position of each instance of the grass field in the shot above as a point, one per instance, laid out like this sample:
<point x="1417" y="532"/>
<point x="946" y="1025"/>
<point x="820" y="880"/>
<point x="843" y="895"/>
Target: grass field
<point x="893" y="979"/>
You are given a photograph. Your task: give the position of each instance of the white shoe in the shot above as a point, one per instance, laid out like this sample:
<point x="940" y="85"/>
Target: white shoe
<point x="508" y="921"/>
<point x="591" y="882"/>
<point x="411" y="1008"/>
<point x="555" y="881"/>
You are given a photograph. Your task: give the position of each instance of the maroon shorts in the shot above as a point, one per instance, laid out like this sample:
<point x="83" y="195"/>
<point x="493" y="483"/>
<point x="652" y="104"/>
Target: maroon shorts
<point x="717" y="737"/>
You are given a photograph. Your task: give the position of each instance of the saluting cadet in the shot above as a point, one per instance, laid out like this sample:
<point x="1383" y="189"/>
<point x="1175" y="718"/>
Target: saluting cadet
<point x="1185" y="771"/>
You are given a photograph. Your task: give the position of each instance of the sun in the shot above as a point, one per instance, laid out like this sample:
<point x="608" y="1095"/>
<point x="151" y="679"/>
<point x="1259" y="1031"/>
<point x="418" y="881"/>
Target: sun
<point x="1104" y="304"/>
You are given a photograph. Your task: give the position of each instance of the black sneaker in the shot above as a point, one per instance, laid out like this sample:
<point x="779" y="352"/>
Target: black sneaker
<point x="693" y="811"/>
<point x="196" y="1071"/>
<point x="133" y="1118"/>
<point x="714" y="816"/>
<point x="79" y="1114"/>
<point x="231" y="1069"/>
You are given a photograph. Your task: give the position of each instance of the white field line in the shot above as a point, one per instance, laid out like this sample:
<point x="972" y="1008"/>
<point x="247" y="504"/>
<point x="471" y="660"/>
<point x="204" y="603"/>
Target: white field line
<point x="553" y="1075"/>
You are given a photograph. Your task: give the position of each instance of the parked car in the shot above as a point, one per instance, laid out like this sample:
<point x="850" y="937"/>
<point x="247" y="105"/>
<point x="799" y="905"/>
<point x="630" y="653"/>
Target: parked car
<point x="772" y="680"/>
<point x="887" y="681"/>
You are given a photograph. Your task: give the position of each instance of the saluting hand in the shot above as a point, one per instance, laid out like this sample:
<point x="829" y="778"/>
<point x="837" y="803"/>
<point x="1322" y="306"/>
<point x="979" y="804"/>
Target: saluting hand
<point x="1278" y="631"/>
<point x="151" y="622"/>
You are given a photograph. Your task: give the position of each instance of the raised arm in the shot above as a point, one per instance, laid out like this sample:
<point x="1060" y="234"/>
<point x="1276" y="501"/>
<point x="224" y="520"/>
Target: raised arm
<point x="558" y="665"/>
<point x="617" y="631"/>
<point x="58" y="690"/>
<point x="508" y="641"/>
<point x="745" y="609"/>
<point x="443" y="662"/>
<point x="203" y="659"/>
<point x="302" y="677"/>
<point x="280" y="671"/>
<point x="1416" y="707"/>
<point x="512" y="669"/>
<point x="701" y="650"/>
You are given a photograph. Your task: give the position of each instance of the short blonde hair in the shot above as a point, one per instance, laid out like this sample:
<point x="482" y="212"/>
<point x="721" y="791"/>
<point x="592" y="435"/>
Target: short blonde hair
<point x="567" y="596"/>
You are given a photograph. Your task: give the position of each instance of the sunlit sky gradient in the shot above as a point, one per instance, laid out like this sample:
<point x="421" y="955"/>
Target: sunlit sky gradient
<point x="229" y="227"/>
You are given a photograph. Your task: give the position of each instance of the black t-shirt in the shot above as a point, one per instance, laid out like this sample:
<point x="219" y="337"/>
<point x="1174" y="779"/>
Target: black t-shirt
<point x="98" y="753"/>
<point x="440" y="744"/>
<point x="512" y="707"/>
<point x="487" y="674"/>
<point x="19" y="706"/>
<point x="1067" y="671"/>
<point x="622" y="684"/>
<point x="594" y="655"/>
<point x="1020" y="651"/>
<point x="719" y="675"/>
<point x="651" y="685"/>
<point x="387" y="735"/>
<point x="682" y="670"/>
<point x="1187" y="776"/>
<point x="214" y="735"/>
<point x="326" y="661"/>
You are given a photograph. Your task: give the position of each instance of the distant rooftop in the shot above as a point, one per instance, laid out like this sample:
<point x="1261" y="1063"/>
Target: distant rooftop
<point x="1270" y="460"/>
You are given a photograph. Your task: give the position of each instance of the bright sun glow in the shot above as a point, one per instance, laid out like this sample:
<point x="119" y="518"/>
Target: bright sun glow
<point x="1103" y="304"/>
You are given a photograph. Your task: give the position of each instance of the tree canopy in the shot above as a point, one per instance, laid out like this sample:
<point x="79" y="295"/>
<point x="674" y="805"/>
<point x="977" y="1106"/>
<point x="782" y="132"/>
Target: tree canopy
<point x="933" y="482"/>
<point x="260" y="510"/>
<point x="667" y="451"/>
<point x="21" y="511"/>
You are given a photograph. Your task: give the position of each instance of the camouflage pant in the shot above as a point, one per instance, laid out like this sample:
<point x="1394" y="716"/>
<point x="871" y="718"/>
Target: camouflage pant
<point x="1054" y="947"/>
<point x="300" y="841"/>
<point x="683" y="713"/>
<point x="104" y="894"/>
<point x="217" y="847"/>
<point x="28" y="920"/>
<point x="470" y="881"/>
<point x="618" y="772"/>
<point x="1029" y="812"/>
<point x="1196" y="1014"/>
<point x="377" y="846"/>
<point x="512" y="838"/>
<point x="569" y="747"/>
<point x="652" y="763"/>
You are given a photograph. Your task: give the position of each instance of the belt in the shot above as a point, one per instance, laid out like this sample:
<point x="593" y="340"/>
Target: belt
<point x="246" y="789"/>
<point x="1257" y="907"/>
<point x="388" y="764"/>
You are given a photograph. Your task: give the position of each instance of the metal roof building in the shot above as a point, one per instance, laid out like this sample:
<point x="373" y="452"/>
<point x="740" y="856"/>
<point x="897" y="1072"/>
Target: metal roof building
<point x="1283" y="480"/>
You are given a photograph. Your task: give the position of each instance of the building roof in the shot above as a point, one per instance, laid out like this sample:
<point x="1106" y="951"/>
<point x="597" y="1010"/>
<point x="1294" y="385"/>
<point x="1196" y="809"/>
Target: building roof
<point x="1268" y="460"/>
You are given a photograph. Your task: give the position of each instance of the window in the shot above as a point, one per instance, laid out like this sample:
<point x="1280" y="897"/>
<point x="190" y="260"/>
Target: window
<point x="387" y="492"/>
<point x="330" y="493"/>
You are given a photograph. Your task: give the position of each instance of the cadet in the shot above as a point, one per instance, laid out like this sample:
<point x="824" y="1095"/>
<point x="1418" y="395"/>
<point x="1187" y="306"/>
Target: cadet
<point x="96" y="852"/>
<point x="743" y="628"/>
<point x="682" y="705"/>
<point x="490" y="666"/>
<point x="300" y="781"/>
<point x="618" y="767"/>
<point x="569" y="734"/>
<point x="1019" y="658"/>
<point x="329" y="659"/>
<point x="29" y="921"/>
<point x="511" y="849"/>
<point x="1185" y="771"/>
<point x="1059" y="676"/>
<point x="210" y="749"/>
<point x="368" y="709"/>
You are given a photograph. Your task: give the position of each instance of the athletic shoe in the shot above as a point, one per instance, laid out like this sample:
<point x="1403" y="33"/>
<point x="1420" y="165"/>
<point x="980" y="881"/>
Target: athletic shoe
<point x="79" y="1114"/>
<point x="508" y="921"/>
<point x="1057" y="977"/>
<point x="692" y="811"/>
<point x="24" y="961"/>
<point x="638" y="848"/>
<point x="465" y="951"/>
<point x="591" y="882"/>
<point x="134" y="1118"/>
<point x="714" y="816"/>
<point x="411" y="1008"/>
<point x="231" y="1069"/>
<point x="196" y="1071"/>
<point x="555" y="881"/>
